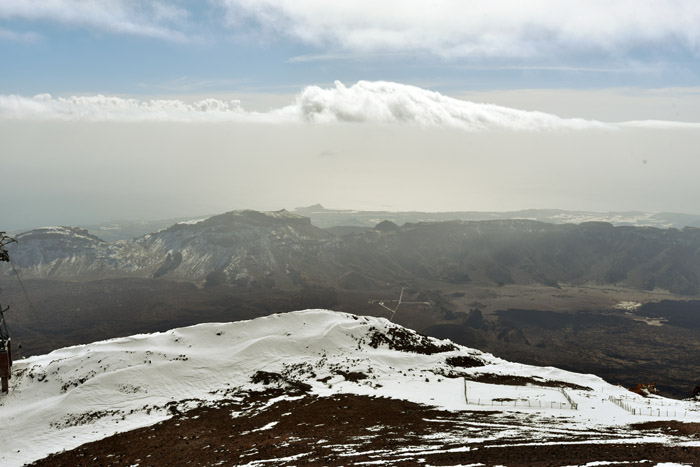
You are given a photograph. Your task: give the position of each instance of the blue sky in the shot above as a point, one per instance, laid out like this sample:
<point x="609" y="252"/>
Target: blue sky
<point x="135" y="48"/>
<point x="469" y="105"/>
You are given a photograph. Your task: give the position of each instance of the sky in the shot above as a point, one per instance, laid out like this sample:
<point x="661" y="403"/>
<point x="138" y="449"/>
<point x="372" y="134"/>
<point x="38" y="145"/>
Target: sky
<point x="124" y="109"/>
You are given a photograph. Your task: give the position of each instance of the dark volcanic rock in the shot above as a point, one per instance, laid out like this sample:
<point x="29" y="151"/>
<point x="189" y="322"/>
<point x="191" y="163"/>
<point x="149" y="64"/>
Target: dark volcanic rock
<point x="405" y="340"/>
<point x="354" y="430"/>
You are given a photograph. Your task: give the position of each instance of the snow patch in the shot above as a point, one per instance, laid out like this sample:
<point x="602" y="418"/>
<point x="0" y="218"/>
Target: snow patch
<point x="627" y="306"/>
<point x="84" y="393"/>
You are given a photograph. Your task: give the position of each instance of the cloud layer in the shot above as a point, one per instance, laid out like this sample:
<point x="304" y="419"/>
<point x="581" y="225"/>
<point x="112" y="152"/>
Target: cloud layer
<point x="157" y="19"/>
<point x="393" y="103"/>
<point x="6" y="34"/>
<point x="106" y="108"/>
<point x="364" y="102"/>
<point x="542" y="29"/>
<point x="369" y="102"/>
<point x="477" y="28"/>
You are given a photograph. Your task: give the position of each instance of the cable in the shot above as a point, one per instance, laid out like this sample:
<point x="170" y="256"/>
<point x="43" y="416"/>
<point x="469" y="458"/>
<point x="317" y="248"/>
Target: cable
<point x="31" y="305"/>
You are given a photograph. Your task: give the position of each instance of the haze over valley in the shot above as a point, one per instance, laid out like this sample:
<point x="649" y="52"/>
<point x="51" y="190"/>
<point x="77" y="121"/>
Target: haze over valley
<point x="536" y="292"/>
<point x="254" y="232"/>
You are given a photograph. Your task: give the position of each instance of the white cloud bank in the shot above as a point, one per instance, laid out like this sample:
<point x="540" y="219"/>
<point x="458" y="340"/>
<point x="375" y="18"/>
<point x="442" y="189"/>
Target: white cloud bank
<point x="157" y="19"/>
<point x="385" y="102"/>
<point x="369" y="102"/>
<point x="106" y="108"/>
<point x="475" y="28"/>
<point x="376" y="102"/>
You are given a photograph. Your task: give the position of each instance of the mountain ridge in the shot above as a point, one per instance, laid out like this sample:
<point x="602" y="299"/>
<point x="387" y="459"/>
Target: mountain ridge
<point x="327" y="218"/>
<point x="285" y="250"/>
<point x="86" y="393"/>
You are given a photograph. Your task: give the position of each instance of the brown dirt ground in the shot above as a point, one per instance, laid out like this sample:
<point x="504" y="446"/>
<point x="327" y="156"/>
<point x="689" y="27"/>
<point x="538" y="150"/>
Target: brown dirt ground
<point x="350" y="429"/>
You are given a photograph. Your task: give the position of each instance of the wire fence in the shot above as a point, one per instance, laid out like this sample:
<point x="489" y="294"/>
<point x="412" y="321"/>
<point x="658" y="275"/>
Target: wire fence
<point x="574" y="405"/>
<point x="661" y="408"/>
<point x="663" y="411"/>
<point x="506" y="402"/>
<point x="517" y="402"/>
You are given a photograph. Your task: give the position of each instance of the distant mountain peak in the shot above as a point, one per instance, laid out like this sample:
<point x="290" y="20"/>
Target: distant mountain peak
<point x="386" y="226"/>
<point x="58" y="232"/>
<point x="312" y="208"/>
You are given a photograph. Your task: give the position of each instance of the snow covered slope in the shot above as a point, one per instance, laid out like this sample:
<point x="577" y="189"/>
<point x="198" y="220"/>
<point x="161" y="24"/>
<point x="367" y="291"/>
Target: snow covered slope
<point x="84" y="393"/>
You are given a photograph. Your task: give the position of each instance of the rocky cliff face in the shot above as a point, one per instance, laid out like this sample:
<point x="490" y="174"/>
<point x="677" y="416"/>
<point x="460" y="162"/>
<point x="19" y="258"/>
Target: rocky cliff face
<point x="527" y="252"/>
<point x="281" y="249"/>
<point x="243" y="246"/>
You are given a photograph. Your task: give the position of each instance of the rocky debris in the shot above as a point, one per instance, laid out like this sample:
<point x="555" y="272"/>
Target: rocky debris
<point x="671" y="427"/>
<point x="353" y="376"/>
<point x="645" y="389"/>
<point x="514" y="380"/>
<point x="277" y="380"/>
<point x="465" y="361"/>
<point x="258" y="429"/>
<point x="405" y="340"/>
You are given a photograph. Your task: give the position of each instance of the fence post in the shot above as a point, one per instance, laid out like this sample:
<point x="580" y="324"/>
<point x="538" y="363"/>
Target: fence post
<point x="466" y="399"/>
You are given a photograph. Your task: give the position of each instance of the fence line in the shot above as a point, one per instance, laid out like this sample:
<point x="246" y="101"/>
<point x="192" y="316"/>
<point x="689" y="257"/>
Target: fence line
<point x="518" y="402"/>
<point x="652" y="412"/>
<point x="574" y="405"/>
<point x="663" y="411"/>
